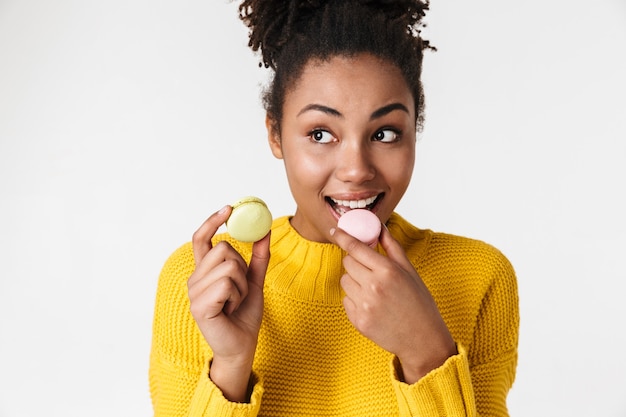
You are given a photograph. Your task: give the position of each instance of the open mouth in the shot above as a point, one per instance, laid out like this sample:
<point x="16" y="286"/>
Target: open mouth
<point x="343" y="206"/>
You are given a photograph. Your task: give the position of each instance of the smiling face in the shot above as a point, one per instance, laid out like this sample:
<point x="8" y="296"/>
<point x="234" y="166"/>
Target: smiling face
<point x="347" y="138"/>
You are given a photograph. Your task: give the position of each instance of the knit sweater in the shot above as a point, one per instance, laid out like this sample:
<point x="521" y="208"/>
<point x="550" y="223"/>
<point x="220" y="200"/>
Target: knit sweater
<point x="311" y="361"/>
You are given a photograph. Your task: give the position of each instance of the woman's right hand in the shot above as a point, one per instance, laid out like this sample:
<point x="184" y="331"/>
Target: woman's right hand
<point x="226" y="297"/>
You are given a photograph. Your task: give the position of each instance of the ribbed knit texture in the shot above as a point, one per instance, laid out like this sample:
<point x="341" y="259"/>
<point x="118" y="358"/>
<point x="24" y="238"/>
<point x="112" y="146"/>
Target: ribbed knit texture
<point x="311" y="361"/>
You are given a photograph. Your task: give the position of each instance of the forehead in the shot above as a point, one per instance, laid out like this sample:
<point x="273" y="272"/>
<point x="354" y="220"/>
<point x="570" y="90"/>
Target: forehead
<point x="350" y="80"/>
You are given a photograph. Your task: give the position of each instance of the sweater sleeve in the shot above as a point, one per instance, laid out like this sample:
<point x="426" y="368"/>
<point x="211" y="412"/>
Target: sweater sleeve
<point x="445" y="391"/>
<point x="208" y="400"/>
<point x="493" y="352"/>
<point x="476" y="381"/>
<point x="180" y="357"/>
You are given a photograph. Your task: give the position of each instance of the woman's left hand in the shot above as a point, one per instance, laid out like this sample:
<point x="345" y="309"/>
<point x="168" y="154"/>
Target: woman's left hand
<point x="387" y="301"/>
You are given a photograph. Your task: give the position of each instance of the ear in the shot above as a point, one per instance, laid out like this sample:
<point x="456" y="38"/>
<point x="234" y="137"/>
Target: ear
<point x="273" y="136"/>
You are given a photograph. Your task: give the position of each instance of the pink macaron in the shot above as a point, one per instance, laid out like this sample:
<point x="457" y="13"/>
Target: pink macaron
<point x="362" y="224"/>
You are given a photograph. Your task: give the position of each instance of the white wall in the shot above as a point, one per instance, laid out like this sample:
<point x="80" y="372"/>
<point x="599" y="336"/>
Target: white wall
<point x="123" y="124"/>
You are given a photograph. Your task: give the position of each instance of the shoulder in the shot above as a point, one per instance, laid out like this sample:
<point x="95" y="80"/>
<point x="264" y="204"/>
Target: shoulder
<point x="452" y="255"/>
<point x="474" y="271"/>
<point x="176" y="340"/>
<point x="473" y="251"/>
<point x="178" y="267"/>
<point x="171" y="294"/>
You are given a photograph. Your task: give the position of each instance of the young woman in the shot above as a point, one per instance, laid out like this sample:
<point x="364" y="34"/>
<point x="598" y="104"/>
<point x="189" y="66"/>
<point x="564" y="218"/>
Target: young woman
<point x="309" y="321"/>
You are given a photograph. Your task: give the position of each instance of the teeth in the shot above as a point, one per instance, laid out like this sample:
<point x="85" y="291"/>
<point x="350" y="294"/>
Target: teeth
<point x="355" y="203"/>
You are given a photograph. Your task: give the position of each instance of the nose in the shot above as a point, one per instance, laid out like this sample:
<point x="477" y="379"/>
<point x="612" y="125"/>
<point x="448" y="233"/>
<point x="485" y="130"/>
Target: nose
<point x="354" y="163"/>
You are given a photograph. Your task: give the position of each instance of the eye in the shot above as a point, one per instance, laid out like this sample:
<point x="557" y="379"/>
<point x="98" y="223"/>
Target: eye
<point x="386" y="135"/>
<point x="321" y="136"/>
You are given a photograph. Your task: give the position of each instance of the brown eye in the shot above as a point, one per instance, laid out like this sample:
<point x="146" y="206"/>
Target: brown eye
<point x="386" y="135"/>
<point x="321" y="136"/>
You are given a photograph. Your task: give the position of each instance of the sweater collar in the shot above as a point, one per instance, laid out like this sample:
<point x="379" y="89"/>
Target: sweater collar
<point x="302" y="269"/>
<point x="311" y="271"/>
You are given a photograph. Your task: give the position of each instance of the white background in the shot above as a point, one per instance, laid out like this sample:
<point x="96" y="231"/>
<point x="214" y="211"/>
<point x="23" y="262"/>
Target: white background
<point x="123" y="124"/>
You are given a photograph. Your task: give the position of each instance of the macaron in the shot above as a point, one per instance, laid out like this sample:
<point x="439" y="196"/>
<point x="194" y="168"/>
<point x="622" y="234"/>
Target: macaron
<point x="362" y="224"/>
<point x="250" y="219"/>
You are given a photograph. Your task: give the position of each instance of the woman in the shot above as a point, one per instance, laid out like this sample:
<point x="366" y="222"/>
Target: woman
<point x="309" y="321"/>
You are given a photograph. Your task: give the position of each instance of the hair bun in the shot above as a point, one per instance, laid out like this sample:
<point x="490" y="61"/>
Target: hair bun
<point x="272" y="23"/>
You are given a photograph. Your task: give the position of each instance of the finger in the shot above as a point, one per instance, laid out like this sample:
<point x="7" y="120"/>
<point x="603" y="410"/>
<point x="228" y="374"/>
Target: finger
<point x="349" y="306"/>
<point x="394" y="250"/>
<point x="229" y="269"/>
<point x="222" y="252"/>
<point x="350" y="286"/>
<point x="202" y="237"/>
<point x="212" y="302"/>
<point x="259" y="261"/>
<point x="355" y="248"/>
<point x="356" y="269"/>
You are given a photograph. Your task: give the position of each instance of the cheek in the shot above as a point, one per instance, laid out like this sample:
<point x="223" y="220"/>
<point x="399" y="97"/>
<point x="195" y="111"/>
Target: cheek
<point x="307" y="169"/>
<point x="398" y="168"/>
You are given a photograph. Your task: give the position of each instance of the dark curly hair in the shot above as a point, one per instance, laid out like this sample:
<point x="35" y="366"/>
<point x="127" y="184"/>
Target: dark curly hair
<point x="289" y="33"/>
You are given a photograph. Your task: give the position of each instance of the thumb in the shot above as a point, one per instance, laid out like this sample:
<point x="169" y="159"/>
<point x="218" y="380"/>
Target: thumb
<point x="259" y="261"/>
<point x="394" y="250"/>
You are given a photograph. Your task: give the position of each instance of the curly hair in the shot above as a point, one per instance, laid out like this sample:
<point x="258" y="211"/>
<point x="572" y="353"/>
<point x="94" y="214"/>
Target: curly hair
<point x="289" y="33"/>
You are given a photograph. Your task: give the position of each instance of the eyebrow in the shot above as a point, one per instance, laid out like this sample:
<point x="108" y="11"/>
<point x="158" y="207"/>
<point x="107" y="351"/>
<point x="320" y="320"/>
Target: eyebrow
<point x="375" y="115"/>
<point x="385" y="110"/>
<point x="321" y="108"/>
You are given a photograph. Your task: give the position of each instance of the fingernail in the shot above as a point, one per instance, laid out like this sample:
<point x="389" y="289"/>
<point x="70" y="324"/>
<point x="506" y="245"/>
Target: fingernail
<point x="222" y="210"/>
<point x="332" y="231"/>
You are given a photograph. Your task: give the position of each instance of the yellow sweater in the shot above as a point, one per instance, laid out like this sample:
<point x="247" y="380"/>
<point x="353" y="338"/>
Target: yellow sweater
<point x="310" y="360"/>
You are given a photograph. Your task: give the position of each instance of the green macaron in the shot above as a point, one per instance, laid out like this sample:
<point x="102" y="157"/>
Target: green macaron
<point x="250" y="219"/>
